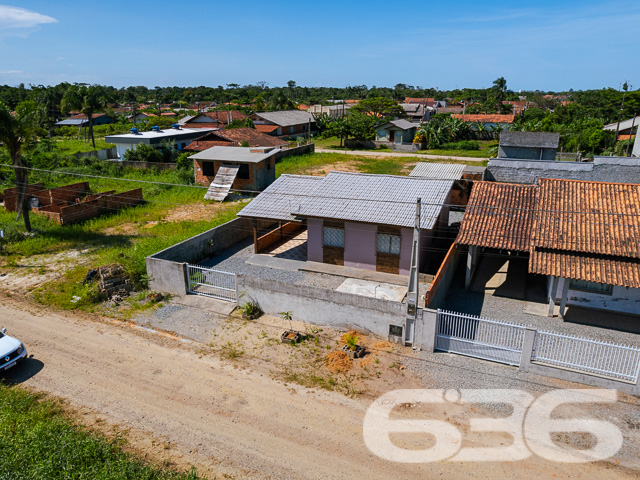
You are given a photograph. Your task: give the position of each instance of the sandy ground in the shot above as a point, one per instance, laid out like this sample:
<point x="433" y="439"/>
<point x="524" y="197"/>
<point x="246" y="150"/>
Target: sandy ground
<point x="227" y="418"/>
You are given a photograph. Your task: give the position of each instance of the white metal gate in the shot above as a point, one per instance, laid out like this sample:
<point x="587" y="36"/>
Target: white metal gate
<point x="212" y="283"/>
<point x="479" y="337"/>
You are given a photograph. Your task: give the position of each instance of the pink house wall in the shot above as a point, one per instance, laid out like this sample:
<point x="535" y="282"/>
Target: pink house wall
<point x="360" y="245"/>
<point x="314" y="239"/>
<point x="406" y="239"/>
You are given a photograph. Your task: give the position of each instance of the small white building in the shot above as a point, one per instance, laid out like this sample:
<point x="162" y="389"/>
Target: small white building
<point x="180" y="137"/>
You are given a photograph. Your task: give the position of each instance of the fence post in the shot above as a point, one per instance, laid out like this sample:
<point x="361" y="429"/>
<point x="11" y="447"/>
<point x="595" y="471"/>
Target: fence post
<point x="185" y="272"/>
<point x="527" y="348"/>
<point x="426" y="333"/>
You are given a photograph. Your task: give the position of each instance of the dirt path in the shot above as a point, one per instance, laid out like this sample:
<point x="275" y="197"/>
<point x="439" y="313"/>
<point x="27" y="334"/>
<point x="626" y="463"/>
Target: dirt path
<point x="365" y="153"/>
<point x="224" y="418"/>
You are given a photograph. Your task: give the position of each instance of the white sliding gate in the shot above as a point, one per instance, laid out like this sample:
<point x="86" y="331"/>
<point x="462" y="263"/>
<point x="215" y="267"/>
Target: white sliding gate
<point x="479" y="337"/>
<point x="212" y="283"/>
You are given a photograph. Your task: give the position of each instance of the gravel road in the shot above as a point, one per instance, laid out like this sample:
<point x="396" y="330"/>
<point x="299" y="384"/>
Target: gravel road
<point x="228" y="419"/>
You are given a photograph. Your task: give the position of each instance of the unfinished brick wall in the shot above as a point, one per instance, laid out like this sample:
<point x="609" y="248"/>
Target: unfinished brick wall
<point x="286" y="232"/>
<point x="11" y="195"/>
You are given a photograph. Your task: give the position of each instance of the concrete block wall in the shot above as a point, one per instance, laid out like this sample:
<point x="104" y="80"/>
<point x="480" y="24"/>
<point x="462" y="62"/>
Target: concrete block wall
<point x="321" y="306"/>
<point x="301" y="150"/>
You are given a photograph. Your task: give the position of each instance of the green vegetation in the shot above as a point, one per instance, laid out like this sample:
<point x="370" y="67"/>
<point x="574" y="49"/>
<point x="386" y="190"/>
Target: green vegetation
<point x="74" y="146"/>
<point x="40" y="441"/>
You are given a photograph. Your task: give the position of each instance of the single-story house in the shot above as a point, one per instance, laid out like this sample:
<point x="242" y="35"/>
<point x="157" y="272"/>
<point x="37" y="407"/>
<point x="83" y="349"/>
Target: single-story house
<point x="234" y="137"/>
<point x="417" y="113"/>
<point x="238" y="168"/>
<point x="396" y="131"/>
<point x="81" y="120"/>
<point x="358" y="220"/>
<point x="285" y="122"/>
<point x="334" y="111"/>
<point x="489" y="120"/>
<point x="528" y="145"/>
<point x="217" y="119"/>
<point x="627" y="127"/>
<point x="141" y="117"/>
<point x="461" y="175"/>
<point x="584" y="236"/>
<point x="181" y="137"/>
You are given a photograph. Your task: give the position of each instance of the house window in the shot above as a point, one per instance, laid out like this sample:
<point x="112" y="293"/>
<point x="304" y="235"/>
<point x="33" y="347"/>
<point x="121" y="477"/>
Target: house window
<point x="268" y="162"/>
<point x="593" y="287"/>
<point x="207" y="169"/>
<point x="333" y="237"/>
<point x="387" y="243"/>
<point x="243" y="171"/>
<point x="395" y="331"/>
<point x="291" y="129"/>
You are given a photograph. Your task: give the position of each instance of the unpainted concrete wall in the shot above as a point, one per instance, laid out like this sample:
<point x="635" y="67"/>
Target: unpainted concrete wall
<point x="321" y="306"/>
<point x="301" y="150"/>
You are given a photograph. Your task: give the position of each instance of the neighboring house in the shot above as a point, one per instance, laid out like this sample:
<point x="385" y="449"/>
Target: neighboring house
<point x="427" y="102"/>
<point x="234" y="137"/>
<point x="627" y="127"/>
<point x="461" y="175"/>
<point x="180" y="137"/>
<point x="488" y="120"/>
<point x="396" y="131"/>
<point x="358" y="220"/>
<point x="141" y="117"/>
<point x="335" y="111"/>
<point x="519" y="106"/>
<point x="417" y="113"/>
<point x="81" y="120"/>
<point x="528" y="145"/>
<point x="244" y="168"/>
<point x="582" y="235"/>
<point x="219" y="119"/>
<point x="284" y="123"/>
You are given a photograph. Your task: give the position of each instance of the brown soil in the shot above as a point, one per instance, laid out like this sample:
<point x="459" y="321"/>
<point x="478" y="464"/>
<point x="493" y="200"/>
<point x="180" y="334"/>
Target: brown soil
<point x="338" y="361"/>
<point x="350" y="333"/>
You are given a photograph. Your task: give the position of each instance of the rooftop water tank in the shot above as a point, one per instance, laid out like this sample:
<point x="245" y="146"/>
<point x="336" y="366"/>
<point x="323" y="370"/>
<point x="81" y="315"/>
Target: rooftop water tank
<point x="155" y="128"/>
<point x="134" y="131"/>
<point x="175" y="126"/>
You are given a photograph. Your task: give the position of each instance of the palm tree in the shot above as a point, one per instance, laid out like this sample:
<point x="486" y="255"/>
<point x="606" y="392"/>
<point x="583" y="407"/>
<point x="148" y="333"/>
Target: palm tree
<point x="87" y="100"/>
<point x="17" y="132"/>
<point x="500" y="85"/>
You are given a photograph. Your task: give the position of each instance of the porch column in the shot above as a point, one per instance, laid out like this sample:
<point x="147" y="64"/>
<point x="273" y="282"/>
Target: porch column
<point x="255" y="236"/>
<point x="553" y="293"/>
<point x="565" y="294"/>
<point x="472" y="254"/>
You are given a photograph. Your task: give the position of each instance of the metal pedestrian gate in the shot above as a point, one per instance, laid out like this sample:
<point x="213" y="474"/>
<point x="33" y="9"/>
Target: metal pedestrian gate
<point x="212" y="283"/>
<point x="479" y="337"/>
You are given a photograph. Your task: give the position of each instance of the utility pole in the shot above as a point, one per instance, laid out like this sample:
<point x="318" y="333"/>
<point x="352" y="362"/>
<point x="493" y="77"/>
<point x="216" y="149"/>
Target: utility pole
<point x="414" y="281"/>
<point x="633" y="124"/>
<point x="625" y="87"/>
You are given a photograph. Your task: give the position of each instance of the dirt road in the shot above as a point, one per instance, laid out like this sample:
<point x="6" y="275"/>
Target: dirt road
<point x="368" y="153"/>
<point x="223" y="418"/>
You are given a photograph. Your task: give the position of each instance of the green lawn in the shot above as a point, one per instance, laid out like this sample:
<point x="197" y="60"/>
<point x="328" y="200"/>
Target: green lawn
<point x="39" y="441"/>
<point x="79" y="146"/>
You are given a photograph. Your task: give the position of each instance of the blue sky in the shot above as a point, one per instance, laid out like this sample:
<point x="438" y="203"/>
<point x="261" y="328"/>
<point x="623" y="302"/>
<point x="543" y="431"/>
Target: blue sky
<point x="546" y="45"/>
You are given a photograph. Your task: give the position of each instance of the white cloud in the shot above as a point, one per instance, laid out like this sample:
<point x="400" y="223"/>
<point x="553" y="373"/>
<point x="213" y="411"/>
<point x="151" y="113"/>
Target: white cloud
<point x="18" y="21"/>
<point x="11" y="72"/>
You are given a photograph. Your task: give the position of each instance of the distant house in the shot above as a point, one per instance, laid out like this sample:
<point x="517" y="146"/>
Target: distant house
<point x="334" y="111"/>
<point x="218" y="119"/>
<point x="528" y="145"/>
<point x="581" y="235"/>
<point x="417" y="113"/>
<point x="489" y="120"/>
<point x="81" y="120"/>
<point x="396" y="132"/>
<point x="180" y="137"/>
<point x="627" y="128"/>
<point x="240" y="168"/>
<point x="519" y="106"/>
<point x="141" y="117"/>
<point x="357" y="220"/>
<point x="284" y="123"/>
<point x="234" y="137"/>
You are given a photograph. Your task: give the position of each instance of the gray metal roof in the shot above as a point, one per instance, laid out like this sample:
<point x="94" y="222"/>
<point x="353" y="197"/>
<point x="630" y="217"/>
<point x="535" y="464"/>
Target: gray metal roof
<point x="624" y="125"/>
<point x="74" y="122"/>
<point x="235" y="154"/>
<point x="438" y="171"/>
<point x="379" y="199"/>
<point x="280" y="198"/>
<point x="529" y="139"/>
<point x="287" y="118"/>
<point x="185" y="119"/>
<point x="402" y="124"/>
<point x="167" y="134"/>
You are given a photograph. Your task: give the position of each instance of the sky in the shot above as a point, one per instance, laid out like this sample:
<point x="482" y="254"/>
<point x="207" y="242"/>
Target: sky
<point x="544" y="45"/>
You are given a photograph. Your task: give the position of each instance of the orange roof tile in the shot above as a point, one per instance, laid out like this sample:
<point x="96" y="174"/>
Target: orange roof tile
<point x="485" y="118"/>
<point x="266" y="128"/>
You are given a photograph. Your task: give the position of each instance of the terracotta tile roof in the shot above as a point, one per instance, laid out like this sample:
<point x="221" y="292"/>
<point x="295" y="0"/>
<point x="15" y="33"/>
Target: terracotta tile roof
<point x="234" y="137"/>
<point x="611" y="270"/>
<point x="417" y="100"/>
<point x="351" y="102"/>
<point x="498" y="215"/>
<point x="593" y="217"/>
<point x="266" y="128"/>
<point x="200" y="145"/>
<point x="484" y="118"/>
<point x="82" y="116"/>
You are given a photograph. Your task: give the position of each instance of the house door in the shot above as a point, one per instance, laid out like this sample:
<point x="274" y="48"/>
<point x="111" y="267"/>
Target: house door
<point x="398" y="137"/>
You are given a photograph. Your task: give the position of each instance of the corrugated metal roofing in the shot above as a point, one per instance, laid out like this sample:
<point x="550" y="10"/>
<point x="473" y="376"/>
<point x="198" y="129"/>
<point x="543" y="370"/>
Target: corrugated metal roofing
<point x="234" y="154"/>
<point x="379" y="199"/>
<point x="529" y="139"/>
<point x="499" y="215"/>
<point x="401" y="124"/>
<point x="438" y="171"/>
<point x="280" y="198"/>
<point x="287" y="118"/>
<point x="594" y="217"/>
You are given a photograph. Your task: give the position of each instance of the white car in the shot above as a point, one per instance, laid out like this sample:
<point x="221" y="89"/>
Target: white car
<point x="12" y="351"/>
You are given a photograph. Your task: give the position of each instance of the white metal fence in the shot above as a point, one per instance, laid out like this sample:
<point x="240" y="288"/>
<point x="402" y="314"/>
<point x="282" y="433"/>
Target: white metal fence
<point x="212" y="283"/>
<point x="479" y="337"/>
<point x="590" y="356"/>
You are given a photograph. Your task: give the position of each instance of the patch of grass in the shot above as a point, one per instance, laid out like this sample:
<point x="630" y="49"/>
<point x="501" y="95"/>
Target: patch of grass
<point x="80" y="146"/>
<point x="231" y="351"/>
<point x="39" y="441"/>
